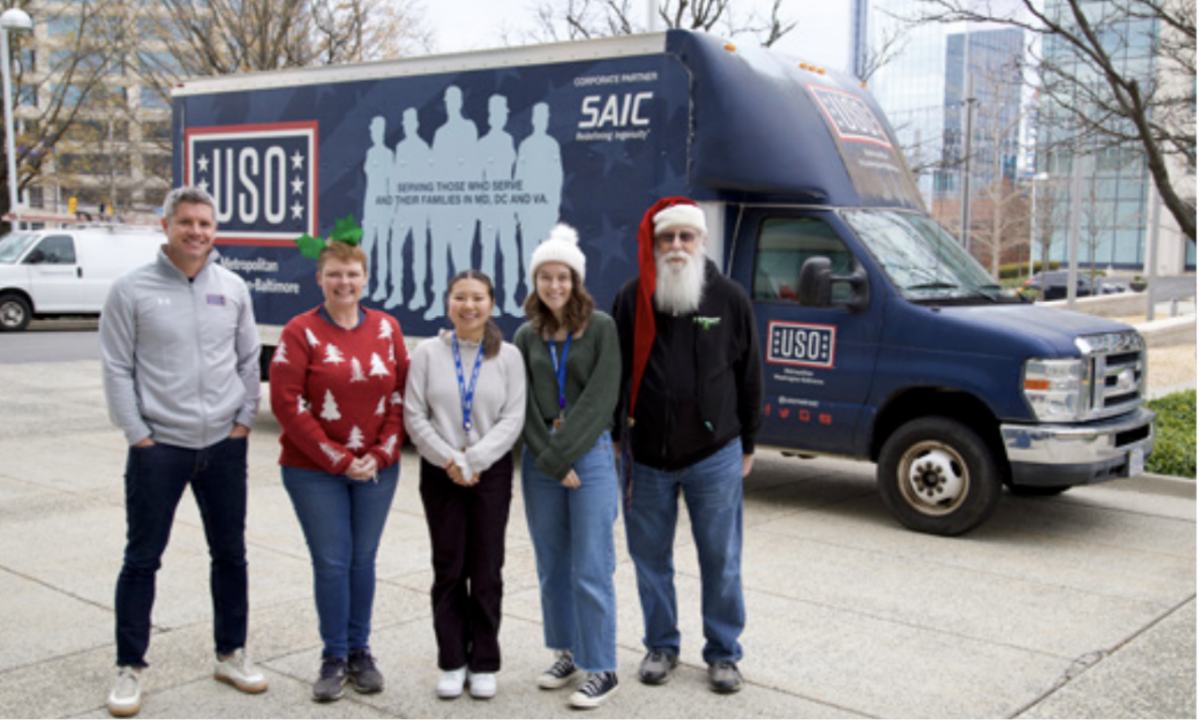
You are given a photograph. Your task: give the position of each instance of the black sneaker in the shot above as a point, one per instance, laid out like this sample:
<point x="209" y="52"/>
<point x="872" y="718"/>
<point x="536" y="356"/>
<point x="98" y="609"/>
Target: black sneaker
<point x="656" y="667"/>
<point x="724" y="677"/>
<point x="560" y="673"/>
<point x="595" y="690"/>
<point x="329" y="686"/>
<point x="364" y="676"/>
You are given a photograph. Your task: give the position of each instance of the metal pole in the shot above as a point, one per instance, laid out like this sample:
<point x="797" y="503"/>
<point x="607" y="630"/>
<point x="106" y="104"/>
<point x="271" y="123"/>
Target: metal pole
<point x="1076" y="215"/>
<point x="9" y="129"/>
<point x="968" y="102"/>
<point x="1033" y="223"/>
<point x="1152" y="252"/>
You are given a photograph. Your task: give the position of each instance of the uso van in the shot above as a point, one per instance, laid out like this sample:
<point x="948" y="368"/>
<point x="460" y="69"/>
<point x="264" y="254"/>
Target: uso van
<point x="882" y="339"/>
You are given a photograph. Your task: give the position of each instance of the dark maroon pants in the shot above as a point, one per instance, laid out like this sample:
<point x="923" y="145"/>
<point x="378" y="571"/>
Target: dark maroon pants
<point x="466" y="529"/>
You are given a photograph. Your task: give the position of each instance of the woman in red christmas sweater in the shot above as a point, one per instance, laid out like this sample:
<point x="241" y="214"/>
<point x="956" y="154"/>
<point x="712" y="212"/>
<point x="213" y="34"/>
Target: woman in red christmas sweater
<point x="337" y="384"/>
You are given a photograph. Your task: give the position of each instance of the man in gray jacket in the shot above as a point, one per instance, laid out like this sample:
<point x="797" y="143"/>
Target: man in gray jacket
<point x="181" y="376"/>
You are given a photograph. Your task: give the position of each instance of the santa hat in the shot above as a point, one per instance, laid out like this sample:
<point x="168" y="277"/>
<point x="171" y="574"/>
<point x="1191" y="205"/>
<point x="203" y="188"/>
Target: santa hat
<point x="670" y="212"/>
<point x="563" y="247"/>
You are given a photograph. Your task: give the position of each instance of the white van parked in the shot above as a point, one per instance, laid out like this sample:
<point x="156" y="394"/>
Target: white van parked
<point x="68" y="271"/>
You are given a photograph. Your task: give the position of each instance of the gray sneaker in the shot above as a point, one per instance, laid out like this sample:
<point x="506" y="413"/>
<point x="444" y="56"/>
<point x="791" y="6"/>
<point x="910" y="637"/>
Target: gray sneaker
<point x="364" y="676"/>
<point x="330" y="685"/>
<point x="125" y="700"/>
<point x="724" y="677"/>
<point x="656" y="667"/>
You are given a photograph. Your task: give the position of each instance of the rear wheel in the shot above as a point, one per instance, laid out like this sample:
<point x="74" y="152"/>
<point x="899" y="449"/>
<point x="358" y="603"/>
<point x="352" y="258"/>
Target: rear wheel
<point x="14" y="313"/>
<point x="938" y="476"/>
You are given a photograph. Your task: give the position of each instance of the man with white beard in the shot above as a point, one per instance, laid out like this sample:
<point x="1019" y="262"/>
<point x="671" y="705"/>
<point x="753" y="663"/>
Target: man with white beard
<point x="691" y="393"/>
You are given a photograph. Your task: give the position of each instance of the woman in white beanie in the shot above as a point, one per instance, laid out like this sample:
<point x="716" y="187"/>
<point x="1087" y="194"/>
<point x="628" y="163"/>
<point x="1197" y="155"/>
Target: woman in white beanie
<point x="568" y="473"/>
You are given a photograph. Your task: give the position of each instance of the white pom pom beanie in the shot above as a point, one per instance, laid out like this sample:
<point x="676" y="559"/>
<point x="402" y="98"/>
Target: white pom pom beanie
<point x="562" y="246"/>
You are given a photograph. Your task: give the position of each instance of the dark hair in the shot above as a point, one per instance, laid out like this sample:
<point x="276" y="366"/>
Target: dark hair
<point x="492" y="335"/>
<point x="577" y="313"/>
<point x="345" y="252"/>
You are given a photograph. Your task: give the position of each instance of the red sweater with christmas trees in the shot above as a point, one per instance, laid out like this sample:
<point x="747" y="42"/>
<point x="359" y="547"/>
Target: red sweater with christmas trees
<point x="339" y="394"/>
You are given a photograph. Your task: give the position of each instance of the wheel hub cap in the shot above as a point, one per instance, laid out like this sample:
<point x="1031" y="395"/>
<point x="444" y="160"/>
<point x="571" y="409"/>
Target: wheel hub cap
<point x="936" y="478"/>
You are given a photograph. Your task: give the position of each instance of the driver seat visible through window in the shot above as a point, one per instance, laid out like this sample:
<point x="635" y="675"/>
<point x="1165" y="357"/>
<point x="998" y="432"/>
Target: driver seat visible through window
<point x="784" y="244"/>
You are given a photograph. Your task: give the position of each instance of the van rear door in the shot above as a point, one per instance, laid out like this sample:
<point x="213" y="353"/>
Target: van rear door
<point x="54" y="274"/>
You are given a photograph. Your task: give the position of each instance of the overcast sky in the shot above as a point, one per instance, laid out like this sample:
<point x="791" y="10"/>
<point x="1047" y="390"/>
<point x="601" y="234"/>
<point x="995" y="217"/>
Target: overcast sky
<point x="822" y="34"/>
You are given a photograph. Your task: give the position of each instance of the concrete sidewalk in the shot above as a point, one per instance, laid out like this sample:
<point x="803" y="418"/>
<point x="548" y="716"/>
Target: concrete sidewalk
<point x="1082" y="605"/>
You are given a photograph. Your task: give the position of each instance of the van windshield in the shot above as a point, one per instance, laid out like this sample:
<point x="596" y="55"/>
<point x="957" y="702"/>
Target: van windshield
<point x="14" y="245"/>
<point x="923" y="261"/>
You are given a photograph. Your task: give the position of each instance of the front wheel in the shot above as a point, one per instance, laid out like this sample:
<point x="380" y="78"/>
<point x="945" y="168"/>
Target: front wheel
<point x="938" y="476"/>
<point x="14" y="313"/>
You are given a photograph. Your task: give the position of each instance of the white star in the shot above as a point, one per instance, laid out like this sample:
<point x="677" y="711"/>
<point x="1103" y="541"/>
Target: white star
<point x="203" y="185"/>
<point x="297" y="211"/>
<point x="297" y="161"/>
<point x="202" y="163"/>
<point x="297" y="187"/>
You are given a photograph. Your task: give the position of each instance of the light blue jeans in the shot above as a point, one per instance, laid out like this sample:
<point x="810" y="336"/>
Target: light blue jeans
<point x="343" y="520"/>
<point x="572" y="532"/>
<point x="712" y="490"/>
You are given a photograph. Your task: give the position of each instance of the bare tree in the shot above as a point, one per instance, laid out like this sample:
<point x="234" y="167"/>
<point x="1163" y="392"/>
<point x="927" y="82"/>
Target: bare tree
<point x="558" y="20"/>
<point x="1107" y="100"/>
<point x="53" y="89"/>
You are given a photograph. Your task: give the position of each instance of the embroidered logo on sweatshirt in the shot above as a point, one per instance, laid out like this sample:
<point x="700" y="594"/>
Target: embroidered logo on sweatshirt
<point x="708" y="323"/>
<point x="218" y="300"/>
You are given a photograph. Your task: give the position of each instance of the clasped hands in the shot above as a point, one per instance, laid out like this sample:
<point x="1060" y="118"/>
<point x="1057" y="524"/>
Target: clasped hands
<point x="456" y="475"/>
<point x="363" y="469"/>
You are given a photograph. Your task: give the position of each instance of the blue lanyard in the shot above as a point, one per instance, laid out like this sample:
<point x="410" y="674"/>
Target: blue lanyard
<point x="466" y="394"/>
<point x="560" y="372"/>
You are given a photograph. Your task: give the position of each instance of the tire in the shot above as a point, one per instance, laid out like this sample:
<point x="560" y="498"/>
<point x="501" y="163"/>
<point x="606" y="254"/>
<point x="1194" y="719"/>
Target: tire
<point x="938" y="476"/>
<point x="14" y="313"/>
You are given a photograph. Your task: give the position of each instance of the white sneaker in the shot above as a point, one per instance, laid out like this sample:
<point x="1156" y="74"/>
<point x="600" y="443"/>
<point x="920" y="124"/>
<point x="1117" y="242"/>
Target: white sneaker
<point x="451" y="683"/>
<point x="483" y="685"/>
<point x="238" y="671"/>
<point x="125" y="700"/>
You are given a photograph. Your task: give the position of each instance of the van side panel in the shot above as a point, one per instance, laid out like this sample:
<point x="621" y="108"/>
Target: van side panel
<point x="431" y="169"/>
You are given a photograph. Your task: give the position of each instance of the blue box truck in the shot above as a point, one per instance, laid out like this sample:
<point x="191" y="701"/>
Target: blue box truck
<point x="882" y="339"/>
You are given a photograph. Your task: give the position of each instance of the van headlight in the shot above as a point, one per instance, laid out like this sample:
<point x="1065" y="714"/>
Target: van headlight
<point x="1057" y="389"/>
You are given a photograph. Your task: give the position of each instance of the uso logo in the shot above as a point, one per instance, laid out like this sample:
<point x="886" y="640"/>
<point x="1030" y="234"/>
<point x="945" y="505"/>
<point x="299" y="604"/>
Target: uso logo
<point x="262" y="177"/>
<point x="802" y="344"/>
<point x="852" y="119"/>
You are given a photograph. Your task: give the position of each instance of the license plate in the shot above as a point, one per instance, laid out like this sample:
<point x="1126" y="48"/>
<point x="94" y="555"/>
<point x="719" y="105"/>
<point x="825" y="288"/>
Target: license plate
<point x="1137" y="462"/>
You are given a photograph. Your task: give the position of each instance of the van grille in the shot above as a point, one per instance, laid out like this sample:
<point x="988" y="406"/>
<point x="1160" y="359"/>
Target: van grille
<point x="1118" y="367"/>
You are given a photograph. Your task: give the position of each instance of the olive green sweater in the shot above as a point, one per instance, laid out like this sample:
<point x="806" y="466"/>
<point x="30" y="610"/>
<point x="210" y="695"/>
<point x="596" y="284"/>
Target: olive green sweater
<point x="593" y="381"/>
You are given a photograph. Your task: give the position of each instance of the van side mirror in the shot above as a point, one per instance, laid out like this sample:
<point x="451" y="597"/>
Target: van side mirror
<point x="818" y="286"/>
<point x="815" y="286"/>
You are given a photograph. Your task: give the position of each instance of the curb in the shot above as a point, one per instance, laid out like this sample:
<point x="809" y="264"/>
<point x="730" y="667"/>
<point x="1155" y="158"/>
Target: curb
<point x="1168" y="485"/>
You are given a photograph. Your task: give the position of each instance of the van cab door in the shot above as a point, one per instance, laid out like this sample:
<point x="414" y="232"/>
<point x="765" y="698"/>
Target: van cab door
<point x="54" y="274"/>
<point x="818" y="361"/>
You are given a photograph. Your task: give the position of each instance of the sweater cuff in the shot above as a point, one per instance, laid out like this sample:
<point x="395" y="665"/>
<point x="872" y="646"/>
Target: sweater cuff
<point x="552" y="464"/>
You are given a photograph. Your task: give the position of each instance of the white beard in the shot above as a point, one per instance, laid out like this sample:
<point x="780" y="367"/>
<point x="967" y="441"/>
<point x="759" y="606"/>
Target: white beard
<point x="680" y="286"/>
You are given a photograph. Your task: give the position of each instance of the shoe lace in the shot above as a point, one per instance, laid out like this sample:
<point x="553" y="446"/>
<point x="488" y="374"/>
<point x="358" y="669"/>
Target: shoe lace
<point x="331" y="667"/>
<point x="594" y="684"/>
<point x="563" y="666"/>
<point x="362" y="661"/>
<point x="127" y="682"/>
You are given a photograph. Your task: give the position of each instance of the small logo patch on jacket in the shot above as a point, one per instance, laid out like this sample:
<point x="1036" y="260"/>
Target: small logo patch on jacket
<point x="708" y="323"/>
<point x="215" y="300"/>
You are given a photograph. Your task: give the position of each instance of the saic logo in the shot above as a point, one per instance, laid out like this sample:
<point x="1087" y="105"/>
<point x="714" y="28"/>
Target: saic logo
<point x="262" y="177"/>
<point x="801" y="344"/>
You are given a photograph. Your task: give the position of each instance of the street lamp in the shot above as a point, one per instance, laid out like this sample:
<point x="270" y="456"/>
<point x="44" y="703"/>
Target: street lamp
<point x="11" y="20"/>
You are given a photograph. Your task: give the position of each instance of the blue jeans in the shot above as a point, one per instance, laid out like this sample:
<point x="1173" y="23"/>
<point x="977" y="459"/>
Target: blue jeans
<point x="572" y="533"/>
<point x="342" y="520"/>
<point x="712" y="490"/>
<point x="155" y="478"/>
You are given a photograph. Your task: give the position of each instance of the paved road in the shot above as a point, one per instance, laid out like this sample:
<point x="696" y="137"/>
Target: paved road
<point x="1077" y="606"/>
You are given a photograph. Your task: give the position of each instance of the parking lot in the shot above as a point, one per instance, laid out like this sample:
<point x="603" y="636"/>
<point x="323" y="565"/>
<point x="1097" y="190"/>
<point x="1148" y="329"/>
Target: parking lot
<point x="1077" y="606"/>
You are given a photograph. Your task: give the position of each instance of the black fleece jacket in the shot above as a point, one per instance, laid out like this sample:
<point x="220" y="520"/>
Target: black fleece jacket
<point x="702" y="386"/>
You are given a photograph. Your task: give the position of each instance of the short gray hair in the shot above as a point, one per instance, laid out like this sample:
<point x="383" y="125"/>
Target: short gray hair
<point x="187" y="194"/>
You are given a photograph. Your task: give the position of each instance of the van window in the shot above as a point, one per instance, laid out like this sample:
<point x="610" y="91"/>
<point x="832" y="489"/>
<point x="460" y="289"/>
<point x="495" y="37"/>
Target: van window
<point x="13" y="245"/>
<point x="783" y="246"/>
<point x="53" y="250"/>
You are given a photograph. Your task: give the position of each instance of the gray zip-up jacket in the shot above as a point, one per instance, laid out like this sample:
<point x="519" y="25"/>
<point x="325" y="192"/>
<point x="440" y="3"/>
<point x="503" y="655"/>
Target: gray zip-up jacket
<point x="180" y="356"/>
